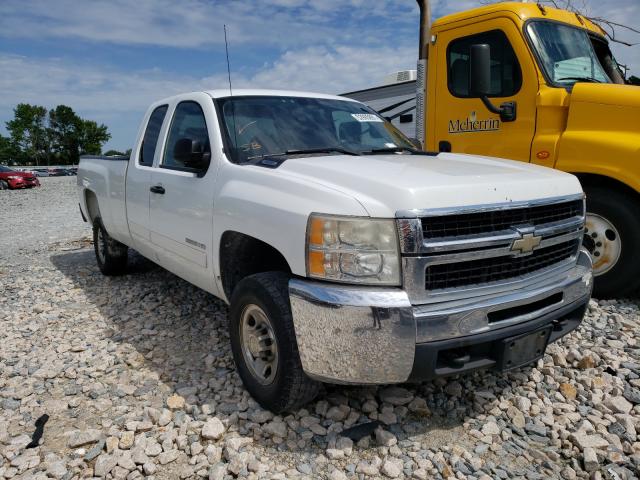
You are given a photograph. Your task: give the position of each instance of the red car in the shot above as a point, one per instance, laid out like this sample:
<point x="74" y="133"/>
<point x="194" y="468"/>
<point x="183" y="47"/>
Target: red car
<point x="11" y="179"/>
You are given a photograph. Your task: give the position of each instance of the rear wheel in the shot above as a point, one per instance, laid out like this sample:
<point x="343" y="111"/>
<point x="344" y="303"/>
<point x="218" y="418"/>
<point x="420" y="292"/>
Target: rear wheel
<point x="264" y="344"/>
<point x="111" y="255"/>
<point x="612" y="232"/>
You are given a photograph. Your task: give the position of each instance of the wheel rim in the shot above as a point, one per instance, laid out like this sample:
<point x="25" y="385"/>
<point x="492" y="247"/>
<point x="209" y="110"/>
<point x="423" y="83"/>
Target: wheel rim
<point x="258" y="343"/>
<point x="604" y="243"/>
<point x="102" y="246"/>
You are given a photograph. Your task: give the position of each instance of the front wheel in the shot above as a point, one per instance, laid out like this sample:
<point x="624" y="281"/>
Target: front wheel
<point x="4" y="185"/>
<point x="111" y="255"/>
<point x="612" y="232"/>
<point x="264" y="344"/>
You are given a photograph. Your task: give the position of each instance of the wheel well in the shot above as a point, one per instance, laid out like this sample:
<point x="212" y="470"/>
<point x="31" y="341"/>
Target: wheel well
<point x="92" y="205"/>
<point x="591" y="180"/>
<point x="242" y="255"/>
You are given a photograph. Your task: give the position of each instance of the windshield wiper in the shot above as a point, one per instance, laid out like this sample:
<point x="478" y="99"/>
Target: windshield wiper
<point x="304" y="151"/>
<point x="322" y="150"/>
<point x="392" y="150"/>
<point x="580" y="79"/>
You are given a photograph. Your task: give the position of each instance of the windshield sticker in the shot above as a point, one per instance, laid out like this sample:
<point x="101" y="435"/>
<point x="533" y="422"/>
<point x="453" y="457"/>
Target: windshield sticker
<point x="366" y="117"/>
<point x="472" y="124"/>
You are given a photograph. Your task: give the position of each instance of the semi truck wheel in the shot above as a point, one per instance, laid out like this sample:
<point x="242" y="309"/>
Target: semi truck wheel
<point x="264" y="346"/>
<point x="111" y="255"/>
<point x="612" y="235"/>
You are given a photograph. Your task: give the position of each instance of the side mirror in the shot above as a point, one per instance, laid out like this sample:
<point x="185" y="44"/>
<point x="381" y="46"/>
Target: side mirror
<point x="480" y="82"/>
<point x="480" y="70"/>
<point x="191" y="153"/>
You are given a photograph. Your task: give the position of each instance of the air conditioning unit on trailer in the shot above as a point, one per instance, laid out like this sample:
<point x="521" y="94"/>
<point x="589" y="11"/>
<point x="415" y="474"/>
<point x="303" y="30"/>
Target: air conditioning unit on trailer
<point x="400" y="77"/>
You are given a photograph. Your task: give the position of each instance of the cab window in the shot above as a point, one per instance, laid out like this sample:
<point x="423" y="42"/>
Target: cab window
<point x="188" y="122"/>
<point x="150" y="139"/>
<point x="506" y="75"/>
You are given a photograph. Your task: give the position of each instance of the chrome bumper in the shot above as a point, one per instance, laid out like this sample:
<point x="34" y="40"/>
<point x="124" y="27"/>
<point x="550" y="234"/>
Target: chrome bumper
<point x="367" y="335"/>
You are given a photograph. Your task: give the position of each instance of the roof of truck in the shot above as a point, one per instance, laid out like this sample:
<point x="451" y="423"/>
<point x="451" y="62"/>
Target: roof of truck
<point x="525" y="11"/>
<point x="245" y="92"/>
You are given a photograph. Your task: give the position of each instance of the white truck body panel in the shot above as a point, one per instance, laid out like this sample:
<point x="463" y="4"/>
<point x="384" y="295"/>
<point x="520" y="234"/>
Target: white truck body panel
<point x="265" y="203"/>
<point x="359" y="332"/>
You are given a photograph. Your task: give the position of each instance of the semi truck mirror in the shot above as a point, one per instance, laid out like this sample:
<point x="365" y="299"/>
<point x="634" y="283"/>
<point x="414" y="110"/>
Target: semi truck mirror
<point x="480" y="82"/>
<point x="480" y="70"/>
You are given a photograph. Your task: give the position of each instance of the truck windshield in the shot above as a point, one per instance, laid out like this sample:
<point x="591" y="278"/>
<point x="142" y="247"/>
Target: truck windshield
<point x="566" y="53"/>
<point x="262" y="126"/>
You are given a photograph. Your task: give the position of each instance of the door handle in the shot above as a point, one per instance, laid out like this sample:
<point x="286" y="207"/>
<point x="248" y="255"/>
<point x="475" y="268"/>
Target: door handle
<point x="157" y="189"/>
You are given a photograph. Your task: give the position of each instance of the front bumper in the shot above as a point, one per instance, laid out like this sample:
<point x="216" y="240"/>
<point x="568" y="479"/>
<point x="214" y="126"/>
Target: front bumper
<point x="368" y="335"/>
<point x="22" y="183"/>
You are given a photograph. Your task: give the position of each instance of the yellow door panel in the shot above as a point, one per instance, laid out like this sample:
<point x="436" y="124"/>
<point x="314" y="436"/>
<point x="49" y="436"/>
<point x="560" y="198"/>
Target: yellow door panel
<point x="465" y="123"/>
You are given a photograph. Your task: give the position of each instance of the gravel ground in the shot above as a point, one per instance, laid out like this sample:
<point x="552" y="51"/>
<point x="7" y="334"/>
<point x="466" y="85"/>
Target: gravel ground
<point x="136" y="376"/>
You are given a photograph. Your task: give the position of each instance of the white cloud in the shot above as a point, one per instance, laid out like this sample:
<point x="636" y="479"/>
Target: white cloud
<point x="194" y="23"/>
<point x="114" y="96"/>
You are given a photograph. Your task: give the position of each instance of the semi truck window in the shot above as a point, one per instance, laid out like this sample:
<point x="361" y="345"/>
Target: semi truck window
<point x="506" y="75"/>
<point x="150" y="140"/>
<point x="565" y="53"/>
<point x="188" y="122"/>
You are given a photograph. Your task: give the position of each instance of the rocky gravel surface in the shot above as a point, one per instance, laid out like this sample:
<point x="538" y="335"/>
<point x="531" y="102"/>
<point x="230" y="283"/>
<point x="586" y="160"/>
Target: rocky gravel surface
<point x="136" y="377"/>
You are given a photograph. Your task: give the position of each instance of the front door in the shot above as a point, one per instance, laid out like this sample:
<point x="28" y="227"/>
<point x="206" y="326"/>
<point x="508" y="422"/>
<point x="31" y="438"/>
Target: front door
<point x="462" y="123"/>
<point x="181" y="206"/>
<point x="138" y="180"/>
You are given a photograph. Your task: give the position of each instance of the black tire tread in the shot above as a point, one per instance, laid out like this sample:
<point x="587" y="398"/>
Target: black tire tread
<point x="299" y="389"/>
<point x="116" y="255"/>
<point x="624" y="278"/>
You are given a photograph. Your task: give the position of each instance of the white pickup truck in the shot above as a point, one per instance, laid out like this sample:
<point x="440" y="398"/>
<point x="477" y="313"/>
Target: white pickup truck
<point x="346" y="255"/>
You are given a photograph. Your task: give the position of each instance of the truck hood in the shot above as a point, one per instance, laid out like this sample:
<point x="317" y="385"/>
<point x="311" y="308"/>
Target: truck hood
<point x="386" y="184"/>
<point x="598" y="109"/>
<point x="606" y="94"/>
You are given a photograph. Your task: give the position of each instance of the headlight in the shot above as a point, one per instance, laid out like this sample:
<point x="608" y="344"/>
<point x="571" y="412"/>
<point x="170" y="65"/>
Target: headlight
<point x="353" y="250"/>
<point x="14" y="177"/>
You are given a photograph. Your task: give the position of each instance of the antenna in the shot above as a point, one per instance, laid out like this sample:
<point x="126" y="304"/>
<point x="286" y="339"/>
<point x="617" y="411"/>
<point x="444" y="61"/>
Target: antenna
<point x="233" y="108"/>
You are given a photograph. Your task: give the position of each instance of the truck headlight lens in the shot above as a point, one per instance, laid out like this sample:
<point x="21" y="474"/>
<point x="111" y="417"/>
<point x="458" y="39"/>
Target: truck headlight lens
<point x="353" y="250"/>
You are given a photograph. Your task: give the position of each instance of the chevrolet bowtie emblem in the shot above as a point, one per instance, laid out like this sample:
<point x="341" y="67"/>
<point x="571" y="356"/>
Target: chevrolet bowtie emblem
<point x="526" y="244"/>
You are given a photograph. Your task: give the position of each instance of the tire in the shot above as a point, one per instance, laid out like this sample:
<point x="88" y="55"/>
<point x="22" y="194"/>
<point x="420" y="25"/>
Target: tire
<point x="286" y="387"/>
<point x="612" y="234"/>
<point x="4" y="185"/>
<point x="111" y="255"/>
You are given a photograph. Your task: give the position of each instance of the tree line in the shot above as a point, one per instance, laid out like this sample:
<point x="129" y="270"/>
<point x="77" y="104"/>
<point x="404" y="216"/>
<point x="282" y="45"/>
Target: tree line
<point x="59" y="136"/>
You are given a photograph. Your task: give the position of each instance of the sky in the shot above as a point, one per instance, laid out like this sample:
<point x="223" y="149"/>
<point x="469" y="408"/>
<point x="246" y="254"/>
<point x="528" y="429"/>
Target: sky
<point x="109" y="59"/>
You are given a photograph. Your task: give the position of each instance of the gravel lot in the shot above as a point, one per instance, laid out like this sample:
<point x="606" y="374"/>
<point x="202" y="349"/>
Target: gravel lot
<point x="136" y="376"/>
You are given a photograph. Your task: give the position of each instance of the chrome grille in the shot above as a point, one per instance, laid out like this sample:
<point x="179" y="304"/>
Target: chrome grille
<point x="456" y="253"/>
<point x="490" y="270"/>
<point x="498" y="220"/>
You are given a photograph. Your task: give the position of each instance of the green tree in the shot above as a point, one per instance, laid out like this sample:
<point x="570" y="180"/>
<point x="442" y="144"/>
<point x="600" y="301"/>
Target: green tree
<point x="8" y="152"/>
<point x="72" y="136"/>
<point x="91" y="137"/>
<point x="64" y="134"/>
<point x="28" y="133"/>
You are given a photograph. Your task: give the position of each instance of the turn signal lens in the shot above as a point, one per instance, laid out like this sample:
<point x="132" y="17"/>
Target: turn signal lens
<point x="356" y="250"/>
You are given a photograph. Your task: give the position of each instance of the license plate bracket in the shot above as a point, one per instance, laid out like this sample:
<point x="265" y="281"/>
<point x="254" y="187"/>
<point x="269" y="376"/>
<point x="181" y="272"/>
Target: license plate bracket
<point x="520" y="350"/>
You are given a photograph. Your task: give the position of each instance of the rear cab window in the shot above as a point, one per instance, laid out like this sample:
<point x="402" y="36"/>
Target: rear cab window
<point x="150" y="139"/>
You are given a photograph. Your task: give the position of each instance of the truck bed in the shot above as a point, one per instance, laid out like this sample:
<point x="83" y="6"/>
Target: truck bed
<point x="105" y="178"/>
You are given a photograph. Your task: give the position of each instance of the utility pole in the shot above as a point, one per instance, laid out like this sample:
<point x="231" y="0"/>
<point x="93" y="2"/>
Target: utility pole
<point x="423" y="56"/>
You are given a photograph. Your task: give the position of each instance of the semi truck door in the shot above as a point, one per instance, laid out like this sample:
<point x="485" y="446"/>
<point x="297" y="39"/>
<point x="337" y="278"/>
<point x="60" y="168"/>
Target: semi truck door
<point x="463" y="124"/>
<point x="181" y="207"/>
<point x="138" y="180"/>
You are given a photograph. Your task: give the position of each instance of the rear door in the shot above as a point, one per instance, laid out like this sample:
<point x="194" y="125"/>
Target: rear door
<point x="139" y="179"/>
<point x="463" y="124"/>
<point x="181" y="205"/>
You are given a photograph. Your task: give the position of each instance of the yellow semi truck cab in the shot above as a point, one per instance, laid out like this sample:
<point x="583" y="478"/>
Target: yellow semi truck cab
<point x="537" y="84"/>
